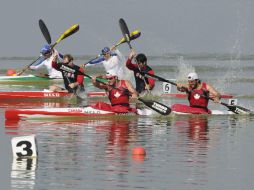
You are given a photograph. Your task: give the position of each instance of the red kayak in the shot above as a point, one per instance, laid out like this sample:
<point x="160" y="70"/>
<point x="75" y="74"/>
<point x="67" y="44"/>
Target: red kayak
<point x="49" y="94"/>
<point x="181" y="108"/>
<point x="33" y="94"/>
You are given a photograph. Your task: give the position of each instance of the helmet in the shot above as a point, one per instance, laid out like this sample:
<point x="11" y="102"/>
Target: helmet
<point x="105" y="50"/>
<point x="45" y="49"/>
<point x="111" y="73"/>
<point x="141" y="58"/>
<point x="192" y="76"/>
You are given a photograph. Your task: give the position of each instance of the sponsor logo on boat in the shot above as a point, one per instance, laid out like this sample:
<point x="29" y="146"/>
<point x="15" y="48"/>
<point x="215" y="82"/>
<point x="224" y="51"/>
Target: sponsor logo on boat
<point x="92" y="112"/>
<point x="159" y="107"/>
<point x="51" y="95"/>
<point x="80" y="110"/>
<point x="75" y="110"/>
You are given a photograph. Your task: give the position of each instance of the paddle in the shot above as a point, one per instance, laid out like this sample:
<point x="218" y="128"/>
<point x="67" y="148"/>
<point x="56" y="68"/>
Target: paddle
<point x="125" y="31"/>
<point x="126" y="34"/>
<point x="234" y="108"/>
<point x="44" y="31"/>
<point x="67" y="33"/>
<point x="134" y="35"/>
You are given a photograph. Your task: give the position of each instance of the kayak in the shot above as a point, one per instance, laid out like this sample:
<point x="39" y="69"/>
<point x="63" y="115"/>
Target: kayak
<point x="65" y="113"/>
<point x="43" y="94"/>
<point x="50" y="94"/>
<point x="30" y="79"/>
<point x="86" y="113"/>
<point x="180" y="109"/>
<point x="33" y="94"/>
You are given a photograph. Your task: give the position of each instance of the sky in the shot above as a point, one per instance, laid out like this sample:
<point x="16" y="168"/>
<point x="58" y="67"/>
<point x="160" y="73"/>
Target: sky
<point x="167" y="26"/>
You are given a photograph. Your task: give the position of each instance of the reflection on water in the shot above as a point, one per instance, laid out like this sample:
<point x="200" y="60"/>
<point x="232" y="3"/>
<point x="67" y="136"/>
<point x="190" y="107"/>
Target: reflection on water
<point x="23" y="173"/>
<point x="182" y="152"/>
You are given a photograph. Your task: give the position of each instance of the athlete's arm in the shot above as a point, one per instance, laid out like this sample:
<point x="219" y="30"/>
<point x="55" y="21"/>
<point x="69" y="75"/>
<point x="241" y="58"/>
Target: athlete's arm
<point x="182" y="87"/>
<point x="151" y="81"/>
<point x="128" y="63"/>
<point x="98" y="84"/>
<point x="213" y="93"/>
<point x="80" y="77"/>
<point x="131" y="89"/>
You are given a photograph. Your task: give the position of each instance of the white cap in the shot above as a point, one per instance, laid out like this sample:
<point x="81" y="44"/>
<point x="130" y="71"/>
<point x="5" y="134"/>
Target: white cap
<point x="192" y="76"/>
<point x="111" y="73"/>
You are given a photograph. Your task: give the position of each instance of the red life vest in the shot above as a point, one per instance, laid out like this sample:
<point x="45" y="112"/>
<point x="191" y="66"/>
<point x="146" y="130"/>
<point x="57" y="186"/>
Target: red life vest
<point x="119" y="96"/>
<point x="195" y="98"/>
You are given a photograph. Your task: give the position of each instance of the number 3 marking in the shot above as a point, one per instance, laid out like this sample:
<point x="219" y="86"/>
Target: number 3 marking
<point x="27" y="148"/>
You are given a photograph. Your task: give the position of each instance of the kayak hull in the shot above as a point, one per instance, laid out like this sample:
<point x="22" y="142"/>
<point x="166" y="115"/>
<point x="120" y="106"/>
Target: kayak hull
<point x="76" y="112"/>
<point x="181" y="109"/>
<point x="31" y="79"/>
<point x="49" y="94"/>
<point x="33" y="94"/>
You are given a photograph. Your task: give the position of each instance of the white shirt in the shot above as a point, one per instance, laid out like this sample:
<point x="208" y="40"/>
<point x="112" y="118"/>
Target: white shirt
<point x="53" y="73"/>
<point x="115" y="64"/>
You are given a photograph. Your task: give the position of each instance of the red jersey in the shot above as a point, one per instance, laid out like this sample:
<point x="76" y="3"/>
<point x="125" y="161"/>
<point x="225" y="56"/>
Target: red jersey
<point x="196" y="99"/>
<point x="119" y="96"/>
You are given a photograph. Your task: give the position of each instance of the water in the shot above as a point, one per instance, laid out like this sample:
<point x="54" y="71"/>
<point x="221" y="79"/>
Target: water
<point x="183" y="152"/>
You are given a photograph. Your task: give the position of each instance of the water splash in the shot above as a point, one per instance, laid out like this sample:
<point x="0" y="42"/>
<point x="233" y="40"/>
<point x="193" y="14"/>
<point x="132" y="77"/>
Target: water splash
<point x="184" y="68"/>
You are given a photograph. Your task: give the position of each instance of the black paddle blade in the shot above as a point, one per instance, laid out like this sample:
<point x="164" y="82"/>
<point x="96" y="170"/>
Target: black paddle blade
<point x="45" y="31"/>
<point x="156" y="106"/>
<point x="125" y="31"/>
<point x="237" y="109"/>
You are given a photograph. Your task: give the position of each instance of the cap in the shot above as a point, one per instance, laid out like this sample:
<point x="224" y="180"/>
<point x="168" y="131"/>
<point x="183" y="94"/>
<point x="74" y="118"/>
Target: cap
<point x="45" y="49"/>
<point x="111" y="74"/>
<point x="192" y="76"/>
<point x="105" y="50"/>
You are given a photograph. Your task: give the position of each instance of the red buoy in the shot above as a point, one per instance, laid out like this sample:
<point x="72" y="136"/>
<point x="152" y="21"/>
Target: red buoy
<point x="138" y="151"/>
<point x="11" y="72"/>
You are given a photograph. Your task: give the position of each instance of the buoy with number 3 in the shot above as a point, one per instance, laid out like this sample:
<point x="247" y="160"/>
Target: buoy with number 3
<point x="24" y="146"/>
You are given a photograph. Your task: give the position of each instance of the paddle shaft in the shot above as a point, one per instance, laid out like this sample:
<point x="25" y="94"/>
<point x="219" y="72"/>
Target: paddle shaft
<point x="23" y="70"/>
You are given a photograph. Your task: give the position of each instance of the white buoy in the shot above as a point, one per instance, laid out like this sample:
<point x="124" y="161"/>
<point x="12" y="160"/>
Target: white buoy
<point x="24" y="146"/>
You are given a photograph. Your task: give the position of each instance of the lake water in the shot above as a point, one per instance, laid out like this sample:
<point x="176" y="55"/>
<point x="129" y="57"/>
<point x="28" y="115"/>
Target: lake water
<point x="182" y="152"/>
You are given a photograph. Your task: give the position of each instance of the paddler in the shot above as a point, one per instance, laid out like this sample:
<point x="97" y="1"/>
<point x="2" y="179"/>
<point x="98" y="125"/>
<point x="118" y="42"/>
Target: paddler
<point x="47" y="56"/>
<point x="73" y="80"/>
<point x="119" y="93"/>
<point x="198" y="93"/>
<point x="112" y="60"/>
<point x="143" y="84"/>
